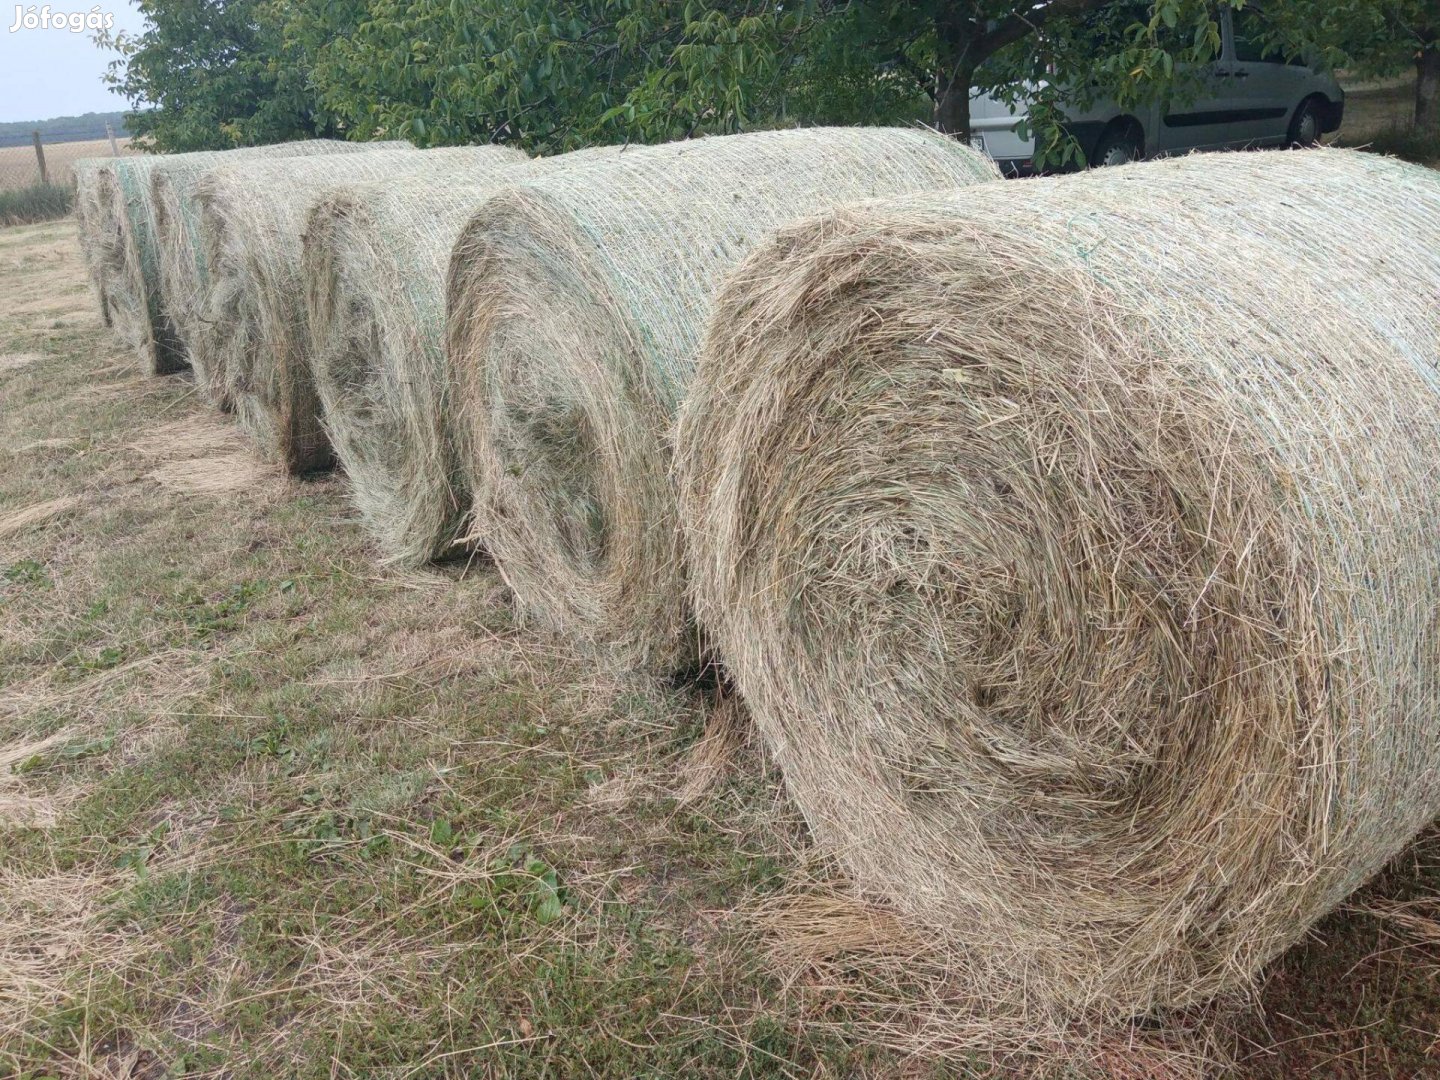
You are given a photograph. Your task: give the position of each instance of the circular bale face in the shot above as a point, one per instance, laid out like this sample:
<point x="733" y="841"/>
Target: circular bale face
<point x="568" y="475"/>
<point x="185" y="285"/>
<point x="253" y="251"/>
<point x="374" y="264"/>
<point x="575" y="308"/>
<point x="1069" y="547"/>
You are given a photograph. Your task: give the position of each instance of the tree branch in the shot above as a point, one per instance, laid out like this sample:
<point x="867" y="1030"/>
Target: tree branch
<point x="919" y="74"/>
<point x="1014" y="27"/>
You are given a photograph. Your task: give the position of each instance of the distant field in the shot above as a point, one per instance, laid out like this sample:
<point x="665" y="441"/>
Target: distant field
<point x="1380" y="116"/>
<point x="18" y="168"/>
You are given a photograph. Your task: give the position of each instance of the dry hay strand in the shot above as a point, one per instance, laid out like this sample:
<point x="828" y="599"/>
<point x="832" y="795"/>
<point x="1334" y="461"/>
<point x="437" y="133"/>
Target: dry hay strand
<point x="183" y="271"/>
<point x="196" y="436"/>
<point x="1415" y="921"/>
<point x="41" y="513"/>
<point x="216" y="474"/>
<point x="860" y="971"/>
<point x="727" y="729"/>
<point x="47" y="444"/>
<point x="256" y="345"/>
<point x="575" y="310"/>
<point x="1072" y="544"/>
<point x="374" y="263"/>
<point x="128" y="255"/>
<point x="16" y="361"/>
<point x="20" y="808"/>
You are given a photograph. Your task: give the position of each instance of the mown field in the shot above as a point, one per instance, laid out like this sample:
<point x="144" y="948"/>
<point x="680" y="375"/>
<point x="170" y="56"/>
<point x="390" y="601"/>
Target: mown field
<point x="19" y="168"/>
<point x="270" y="809"/>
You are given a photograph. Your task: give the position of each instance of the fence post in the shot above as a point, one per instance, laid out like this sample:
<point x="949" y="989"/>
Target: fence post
<point x="110" y="134"/>
<point x="40" y="157"/>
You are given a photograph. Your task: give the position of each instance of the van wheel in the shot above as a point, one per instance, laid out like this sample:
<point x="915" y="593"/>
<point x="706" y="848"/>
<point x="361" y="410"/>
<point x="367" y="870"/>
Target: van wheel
<point x="1119" y="145"/>
<point x="1306" y="125"/>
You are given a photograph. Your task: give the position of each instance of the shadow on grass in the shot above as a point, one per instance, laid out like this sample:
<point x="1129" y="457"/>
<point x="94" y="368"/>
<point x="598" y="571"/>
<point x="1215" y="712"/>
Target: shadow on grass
<point x="1400" y="141"/>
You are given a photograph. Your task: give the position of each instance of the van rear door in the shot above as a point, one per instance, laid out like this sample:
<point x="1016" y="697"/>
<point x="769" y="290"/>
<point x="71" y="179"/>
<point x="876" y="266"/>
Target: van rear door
<point x="1267" y="89"/>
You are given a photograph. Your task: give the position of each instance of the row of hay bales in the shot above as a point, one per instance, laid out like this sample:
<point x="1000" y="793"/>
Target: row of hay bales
<point x="1075" y="543"/>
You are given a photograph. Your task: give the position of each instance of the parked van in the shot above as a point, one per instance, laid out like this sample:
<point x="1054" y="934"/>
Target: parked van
<point x="1245" y="97"/>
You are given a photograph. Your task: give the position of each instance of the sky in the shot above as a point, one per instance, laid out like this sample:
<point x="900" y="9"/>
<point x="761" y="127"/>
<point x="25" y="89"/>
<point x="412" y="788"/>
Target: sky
<point x="47" y="72"/>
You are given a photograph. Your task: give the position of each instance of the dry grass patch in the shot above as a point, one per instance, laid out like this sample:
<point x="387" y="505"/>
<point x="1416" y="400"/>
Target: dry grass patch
<point x="37" y="781"/>
<point x="19" y="807"/>
<point x="52" y="932"/>
<point x="63" y="939"/>
<point x="60" y="159"/>
<point x="206" y="435"/>
<point x="15" y="361"/>
<point x="222" y="474"/>
<point x="36" y="514"/>
<point x="157" y="681"/>
<point x="46" y="288"/>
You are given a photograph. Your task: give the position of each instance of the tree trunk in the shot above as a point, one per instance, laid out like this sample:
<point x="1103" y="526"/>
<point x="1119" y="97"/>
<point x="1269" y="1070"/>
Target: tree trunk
<point x="954" y="74"/>
<point x="1427" y="91"/>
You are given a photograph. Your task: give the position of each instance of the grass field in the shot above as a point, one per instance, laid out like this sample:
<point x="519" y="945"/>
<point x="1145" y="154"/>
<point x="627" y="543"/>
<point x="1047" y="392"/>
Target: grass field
<point x="267" y="809"/>
<point x="19" y="169"/>
<point x="43" y="202"/>
<point x="1379" y="115"/>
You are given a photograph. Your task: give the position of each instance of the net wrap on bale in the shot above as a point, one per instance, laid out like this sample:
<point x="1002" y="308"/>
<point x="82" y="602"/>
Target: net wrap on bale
<point x="374" y="263"/>
<point x="90" y="225"/>
<point x="1073" y="544"/>
<point x="128" y="266"/>
<point x="257" y="339"/>
<point x="574" y="313"/>
<point x="183" y="274"/>
<point x="129" y="254"/>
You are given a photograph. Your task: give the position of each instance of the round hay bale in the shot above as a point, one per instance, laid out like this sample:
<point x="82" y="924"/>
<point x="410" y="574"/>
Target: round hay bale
<point x="184" y="280"/>
<point x="90" y="224"/>
<point x="128" y="266"/>
<point x="258" y="347"/>
<point x="374" y="263"/>
<point x="1073" y="544"/>
<point x="575" y="310"/>
<point x="129" y="255"/>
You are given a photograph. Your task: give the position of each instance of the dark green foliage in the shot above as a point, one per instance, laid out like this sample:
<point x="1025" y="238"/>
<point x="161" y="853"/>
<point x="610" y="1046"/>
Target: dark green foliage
<point x="215" y="74"/>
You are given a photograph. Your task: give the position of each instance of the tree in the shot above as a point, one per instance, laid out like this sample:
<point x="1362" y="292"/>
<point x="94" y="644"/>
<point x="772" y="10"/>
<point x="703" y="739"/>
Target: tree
<point x="553" y="76"/>
<point x="1382" y="37"/>
<point x="1028" y="53"/>
<point x="220" y="73"/>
